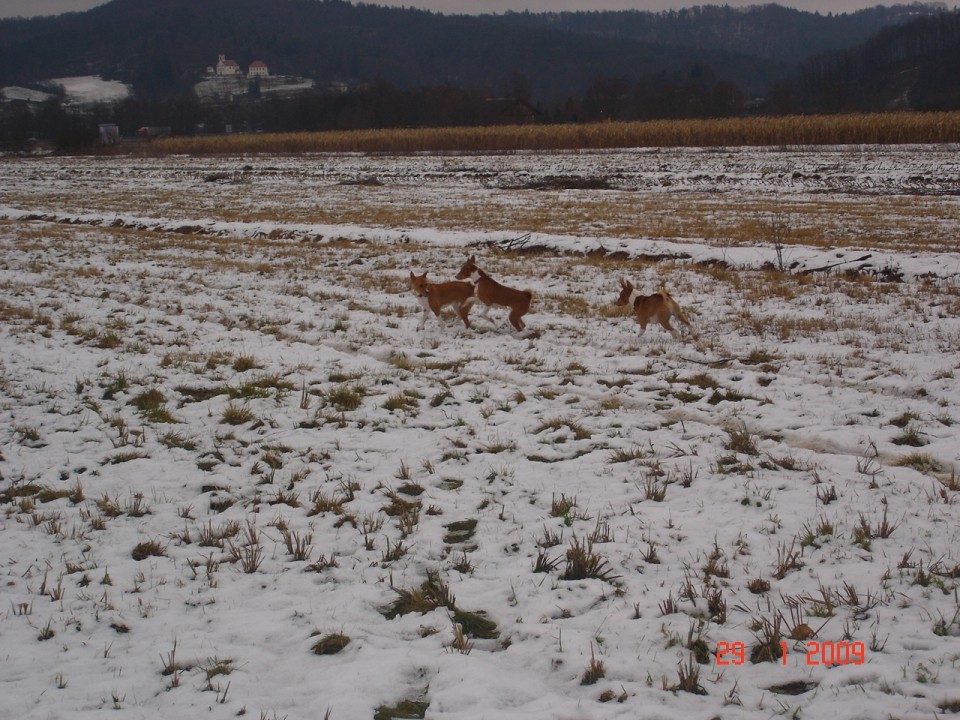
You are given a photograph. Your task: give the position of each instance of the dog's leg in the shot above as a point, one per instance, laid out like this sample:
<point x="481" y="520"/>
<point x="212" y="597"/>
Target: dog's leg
<point x="463" y="309"/>
<point x="665" y="322"/>
<point x="438" y="311"/>
<point x="682" y="319"/>
<point x="516" y="319"/>
<point x="425" y="304"/>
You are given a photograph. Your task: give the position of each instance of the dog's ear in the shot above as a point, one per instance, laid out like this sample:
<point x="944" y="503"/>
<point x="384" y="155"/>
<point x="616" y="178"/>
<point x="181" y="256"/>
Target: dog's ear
<point x="623" y="283"/>
<point x="472" y="259"/>
<point x="412" y="276"/>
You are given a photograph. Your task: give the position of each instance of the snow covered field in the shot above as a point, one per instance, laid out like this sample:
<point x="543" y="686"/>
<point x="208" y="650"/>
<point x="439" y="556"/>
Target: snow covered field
<point x="236" y="480"/>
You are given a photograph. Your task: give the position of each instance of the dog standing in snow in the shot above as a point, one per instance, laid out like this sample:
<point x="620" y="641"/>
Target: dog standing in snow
<point x="491" y="293"/>
<point x="659" y="306"/>
<point x="436" y="296"/>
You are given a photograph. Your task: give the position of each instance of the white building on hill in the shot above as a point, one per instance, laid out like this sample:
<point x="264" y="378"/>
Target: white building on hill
<point x="225" y="67"/>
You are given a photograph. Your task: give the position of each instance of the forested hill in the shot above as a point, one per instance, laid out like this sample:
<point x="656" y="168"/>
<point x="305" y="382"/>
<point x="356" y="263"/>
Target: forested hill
<point x="769" y="31"/>
<point x="914" y="66"/>
<point x="162" y="47"/>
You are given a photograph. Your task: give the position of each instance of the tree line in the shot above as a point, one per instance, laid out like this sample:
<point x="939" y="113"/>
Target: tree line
<point x="696" y="94"/>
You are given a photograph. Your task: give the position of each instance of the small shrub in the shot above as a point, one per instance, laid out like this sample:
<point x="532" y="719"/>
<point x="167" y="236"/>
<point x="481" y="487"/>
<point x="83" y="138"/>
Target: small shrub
<point x="345" y="397"/>
<point x="151" y="404"/>
<point x="433" y="593"/>
<point x="29" y="436"/>
<point x="401" y="401"/>
<point x="787" y="559"/>
<point x="177" y="440"/>
<point x="440" y="398"/>
<point x="921" y="462"/>
<point x="583" y="563"/>
<point x="627" y="454"/>
<point x="108" y="341"/>
<point x="689" y="678"/>
<point x="298" y="546"/>
<point x="904" y="419"/>
<point x="545" y="564"/>
<point x="911" y="437"/>
<point x="768" y="635"/>
<point x="150" y="548"/>
<point x="236" y="414"/>
<point x="330" y="644"/>
<point x="740" y="440"/>
<point x="244" y="363"/>
<point x="46" y="632"/>
<point x="653" y="490"/>
<point x="826" y="495"/>
<point x="578" y="430"/>
<point x="595" y="670"/>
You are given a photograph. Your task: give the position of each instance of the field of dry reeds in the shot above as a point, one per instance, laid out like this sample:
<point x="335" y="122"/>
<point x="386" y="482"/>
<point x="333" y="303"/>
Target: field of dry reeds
<point x="866" y="129"/>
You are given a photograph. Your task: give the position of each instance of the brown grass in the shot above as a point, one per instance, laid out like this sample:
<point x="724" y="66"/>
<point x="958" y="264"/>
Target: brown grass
<point x="884" y="128"/>
<point x="901" y="222"/>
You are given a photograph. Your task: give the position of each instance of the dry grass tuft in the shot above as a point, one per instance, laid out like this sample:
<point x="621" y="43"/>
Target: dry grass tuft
<point x="330" y="644"/>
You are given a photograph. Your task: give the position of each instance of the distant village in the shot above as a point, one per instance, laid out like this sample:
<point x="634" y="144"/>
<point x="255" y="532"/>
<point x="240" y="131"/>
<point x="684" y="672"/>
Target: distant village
<point x="226" y="81"/>
<point x="231" y="68"/>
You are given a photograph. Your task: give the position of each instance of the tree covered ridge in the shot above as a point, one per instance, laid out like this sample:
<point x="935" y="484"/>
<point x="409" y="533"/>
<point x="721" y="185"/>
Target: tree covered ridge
<point x="163" y="46"/>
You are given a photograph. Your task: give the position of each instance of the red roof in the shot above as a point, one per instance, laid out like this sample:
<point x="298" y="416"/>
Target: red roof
<point x="258" y="63"/>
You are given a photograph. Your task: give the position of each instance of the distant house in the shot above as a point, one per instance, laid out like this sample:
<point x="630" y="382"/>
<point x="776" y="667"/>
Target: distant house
<point x="258" y="68"/>
<point x="226" y="68"/>
<point x="154" y="131"/>
<point x="109" y="134"/>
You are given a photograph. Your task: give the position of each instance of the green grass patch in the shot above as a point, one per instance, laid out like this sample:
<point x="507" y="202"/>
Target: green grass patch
<point x="403" y="710"/>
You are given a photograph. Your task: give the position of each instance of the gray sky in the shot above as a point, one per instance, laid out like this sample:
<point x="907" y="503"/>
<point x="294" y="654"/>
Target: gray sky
<point x="28" y="8"/>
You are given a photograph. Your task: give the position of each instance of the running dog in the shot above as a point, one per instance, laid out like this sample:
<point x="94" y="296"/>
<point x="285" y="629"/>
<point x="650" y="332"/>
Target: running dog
<point x="436" y="296"/>
<point x="659" y="306"/>
<point x="491" y="293"/>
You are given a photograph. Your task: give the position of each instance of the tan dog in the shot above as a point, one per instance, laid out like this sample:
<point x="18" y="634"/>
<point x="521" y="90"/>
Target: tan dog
<point x="436" y="296"/>
<point x="659" y="306"/>
<point x="491" y="293"/>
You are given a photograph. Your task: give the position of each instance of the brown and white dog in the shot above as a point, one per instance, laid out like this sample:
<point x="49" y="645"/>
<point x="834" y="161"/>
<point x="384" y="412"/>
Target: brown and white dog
<point x="659" y="306"/>
<point x="491" y="293"/>
<point x="436" y="296"/>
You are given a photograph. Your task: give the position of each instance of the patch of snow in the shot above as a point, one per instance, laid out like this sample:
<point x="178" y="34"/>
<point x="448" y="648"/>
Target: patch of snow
<point x="90" y="89"/>
<point x="13" y="92"/>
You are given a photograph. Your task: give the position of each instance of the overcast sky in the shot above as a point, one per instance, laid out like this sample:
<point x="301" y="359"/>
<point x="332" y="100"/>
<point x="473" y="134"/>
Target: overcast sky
<point x="28" y="8"/>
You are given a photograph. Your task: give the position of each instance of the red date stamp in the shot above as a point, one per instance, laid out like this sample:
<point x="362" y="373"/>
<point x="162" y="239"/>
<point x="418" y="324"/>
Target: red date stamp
<point x="817" y="653"/>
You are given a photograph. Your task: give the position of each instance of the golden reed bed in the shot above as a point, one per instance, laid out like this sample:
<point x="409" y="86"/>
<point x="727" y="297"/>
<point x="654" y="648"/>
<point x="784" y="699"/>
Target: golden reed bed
<point x="866" y="129"/>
